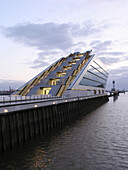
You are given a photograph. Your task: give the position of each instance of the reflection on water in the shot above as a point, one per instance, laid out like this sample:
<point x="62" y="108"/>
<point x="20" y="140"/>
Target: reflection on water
<point x="97" y="141"/>
<point x="115" y="97"/>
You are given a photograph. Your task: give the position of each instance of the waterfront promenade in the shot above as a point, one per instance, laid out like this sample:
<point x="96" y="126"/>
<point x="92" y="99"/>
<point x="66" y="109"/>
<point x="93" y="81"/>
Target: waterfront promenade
<point x="16" y="103"/>
<point x="22" y="120"/>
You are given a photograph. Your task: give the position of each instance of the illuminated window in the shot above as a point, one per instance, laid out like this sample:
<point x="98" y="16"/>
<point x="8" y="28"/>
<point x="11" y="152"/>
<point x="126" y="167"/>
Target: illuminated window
<point x="67" y="67"/>
<point x="80" y="55"/>
<point x="61" y="74"/>
<point x="43" y="90"/>
<point x="53" y="81"/>
<point x="71" y="62"/>
<point x="76" y="58"/>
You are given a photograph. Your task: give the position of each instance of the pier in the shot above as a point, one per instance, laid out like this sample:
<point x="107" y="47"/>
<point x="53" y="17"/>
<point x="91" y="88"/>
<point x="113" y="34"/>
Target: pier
<point x="24" y="120"/>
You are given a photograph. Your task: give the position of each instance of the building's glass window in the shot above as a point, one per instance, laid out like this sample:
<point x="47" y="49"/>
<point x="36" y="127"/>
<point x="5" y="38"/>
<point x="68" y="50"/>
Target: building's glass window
<point x="53" y="81"/>
<point x="97" y="72"/>
<point x="67" y="67"/>
<point x="100" y="66"/>
<point x="43" y="90"/>
<point x="95" y="65"/>
<point x="80" y="55"/>
<point x="76" y="58"/>
<point x="88" y="82"/>
<point x="60" y="74"/>
<point x="71" y="62"/>
<point x="96" y="75"/>
<point x="93" y="76"/>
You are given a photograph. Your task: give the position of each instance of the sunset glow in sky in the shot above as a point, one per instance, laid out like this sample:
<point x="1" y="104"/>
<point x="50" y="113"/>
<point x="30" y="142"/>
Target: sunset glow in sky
<point x="35" y="33"/>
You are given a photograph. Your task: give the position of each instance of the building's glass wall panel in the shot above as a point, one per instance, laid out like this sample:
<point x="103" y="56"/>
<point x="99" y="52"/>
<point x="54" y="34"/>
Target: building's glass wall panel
<point x="96" y="75"/>
<point x="100" y="68"/>
<point x="97" y="72"/>
<point x="92" y="76"/>
<point x="88" y="82"/>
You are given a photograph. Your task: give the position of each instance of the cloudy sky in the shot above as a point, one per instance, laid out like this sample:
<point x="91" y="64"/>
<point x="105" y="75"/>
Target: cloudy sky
<point x="35" y="33"/>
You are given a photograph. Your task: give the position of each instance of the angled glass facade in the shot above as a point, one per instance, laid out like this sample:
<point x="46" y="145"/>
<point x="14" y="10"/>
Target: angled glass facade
<point x="96" y="75"/>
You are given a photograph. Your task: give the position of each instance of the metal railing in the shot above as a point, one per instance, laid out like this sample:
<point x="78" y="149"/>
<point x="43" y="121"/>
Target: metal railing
<point x="25" y="99"/>
<point x="15" y="100"/>
<point x="29" y="102"/>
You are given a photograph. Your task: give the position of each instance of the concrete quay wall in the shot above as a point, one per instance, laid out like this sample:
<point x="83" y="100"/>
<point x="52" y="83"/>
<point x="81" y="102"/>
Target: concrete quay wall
<point x="20" y="126"/>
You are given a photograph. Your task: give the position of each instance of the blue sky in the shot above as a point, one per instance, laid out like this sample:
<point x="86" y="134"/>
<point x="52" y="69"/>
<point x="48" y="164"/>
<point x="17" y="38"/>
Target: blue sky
<point x="35" y="33"/>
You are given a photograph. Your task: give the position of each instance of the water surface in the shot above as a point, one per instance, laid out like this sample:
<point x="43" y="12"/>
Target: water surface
<point x="97" y="141"/>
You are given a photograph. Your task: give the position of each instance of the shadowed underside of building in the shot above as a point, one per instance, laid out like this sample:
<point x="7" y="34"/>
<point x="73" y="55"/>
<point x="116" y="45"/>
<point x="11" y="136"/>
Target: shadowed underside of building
<point x="76" y="75"/>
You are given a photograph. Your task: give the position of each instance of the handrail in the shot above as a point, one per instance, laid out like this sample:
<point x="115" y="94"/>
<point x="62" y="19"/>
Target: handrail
<point x="36" y="99"/>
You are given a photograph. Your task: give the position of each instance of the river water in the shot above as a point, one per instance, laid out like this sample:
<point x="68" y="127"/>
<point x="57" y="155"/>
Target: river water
<point x="97" y="141"/>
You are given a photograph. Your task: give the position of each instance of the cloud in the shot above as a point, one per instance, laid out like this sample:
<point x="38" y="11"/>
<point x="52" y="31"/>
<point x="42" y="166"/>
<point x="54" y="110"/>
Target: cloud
<point x="49" y="36"/>
<point x="104" y="50"/>
<point x="124" y="58"/>
<point x="13" y="84"/>
<point x="101" y="46"/>
<point x="86" y="29"/>
<point x="51" y="39"/>
<point x="121" y="82"/>
<point x="94" y="42"/>
<point x="55" y="40"/>
<point x="112" y="53"/>
<point x="122" y="71"/>
<point x="42" y="36"/>
<point x="39" y="64"/>
<point x="120" y="75"/>
<point x="44" y="59"/>
<point x="109" y="60"/>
